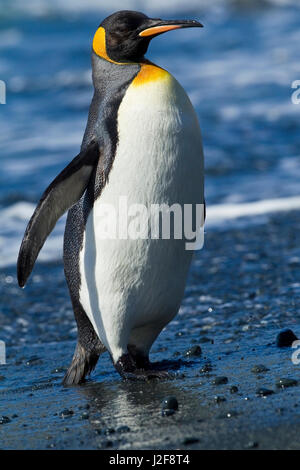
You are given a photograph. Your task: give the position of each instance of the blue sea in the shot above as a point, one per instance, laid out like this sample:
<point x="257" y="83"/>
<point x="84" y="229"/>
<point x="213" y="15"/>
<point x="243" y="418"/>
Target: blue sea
<point x="243" y="287"/>
<point x="238" y="71"/>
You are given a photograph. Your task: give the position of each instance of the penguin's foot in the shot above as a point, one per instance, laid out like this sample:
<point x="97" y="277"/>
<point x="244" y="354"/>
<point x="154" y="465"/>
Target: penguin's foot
<point x="140" y="359"/>
<point x="128" y="369"/>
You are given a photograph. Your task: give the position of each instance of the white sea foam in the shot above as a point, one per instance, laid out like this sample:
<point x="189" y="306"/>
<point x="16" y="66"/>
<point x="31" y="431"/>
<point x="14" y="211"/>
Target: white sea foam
<point x="221" y="212"/>
<point x="14" y="220"/>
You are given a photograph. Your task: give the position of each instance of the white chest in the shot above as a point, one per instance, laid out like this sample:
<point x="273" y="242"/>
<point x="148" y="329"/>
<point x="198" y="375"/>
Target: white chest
<point x="158" y="161"/>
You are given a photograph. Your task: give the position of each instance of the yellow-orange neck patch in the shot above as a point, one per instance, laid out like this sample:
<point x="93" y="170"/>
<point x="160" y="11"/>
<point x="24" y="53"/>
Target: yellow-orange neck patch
<point x="149" y="73"/>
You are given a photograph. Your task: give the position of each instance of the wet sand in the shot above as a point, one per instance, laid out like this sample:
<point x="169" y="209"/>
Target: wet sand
<point x="242" y="291"/>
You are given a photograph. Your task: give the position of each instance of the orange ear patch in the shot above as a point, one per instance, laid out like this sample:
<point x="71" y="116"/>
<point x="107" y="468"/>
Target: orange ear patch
<point x="99" y="45"/>
<point x="149" y="73"/>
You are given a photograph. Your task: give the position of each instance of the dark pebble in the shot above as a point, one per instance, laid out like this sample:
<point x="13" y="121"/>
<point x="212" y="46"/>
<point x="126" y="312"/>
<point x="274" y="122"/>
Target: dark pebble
<point x="85" y="415"/>
<point x="285" y="338"/>
<point x="193" y="351"/>
<point x="170" y="403"/>
<point x="2" y="378"/>
<point x="58" y="370"/>
<point x="66" y="413"/>
<point x="220" y="381"/>
<point x="4" y="420"/>
<point x="123" y="429"/>
<point x="206" y="368"/>
<point x="190" y="440"/>
<point x="109" y="431"/>
<point x="234" y="389"/>
<point x="108" y="444"/>
<point x="258" y="369"/>
<point x="219" y="399"/>
<point x="284" y="383"/>
<point x="252" y="445"/>
<point x="229" y="414"/>
<point x="264" y="392"/>
<point x="34" y="361"/>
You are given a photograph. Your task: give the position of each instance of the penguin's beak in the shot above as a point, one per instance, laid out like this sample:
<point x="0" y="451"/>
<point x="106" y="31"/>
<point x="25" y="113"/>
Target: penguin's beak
<point x="156" y="27"/>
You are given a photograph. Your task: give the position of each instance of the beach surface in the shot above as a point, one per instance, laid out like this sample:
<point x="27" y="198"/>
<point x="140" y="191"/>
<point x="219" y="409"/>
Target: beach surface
<point x="242" y="391"/>
<point x="243" y="290"/>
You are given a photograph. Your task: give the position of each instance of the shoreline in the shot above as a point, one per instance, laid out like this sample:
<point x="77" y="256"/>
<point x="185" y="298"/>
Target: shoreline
<point x="243" y="289"/>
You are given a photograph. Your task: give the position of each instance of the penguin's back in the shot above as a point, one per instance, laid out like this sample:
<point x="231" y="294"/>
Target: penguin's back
<point x="158" y="160"/>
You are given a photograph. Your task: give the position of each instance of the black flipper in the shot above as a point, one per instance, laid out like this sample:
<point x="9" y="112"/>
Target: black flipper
<point x="63" y="192"/>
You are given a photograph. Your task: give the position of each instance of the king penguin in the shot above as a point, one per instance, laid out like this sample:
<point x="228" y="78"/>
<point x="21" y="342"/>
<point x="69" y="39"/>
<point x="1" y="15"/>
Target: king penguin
<point x="142" y="142"/>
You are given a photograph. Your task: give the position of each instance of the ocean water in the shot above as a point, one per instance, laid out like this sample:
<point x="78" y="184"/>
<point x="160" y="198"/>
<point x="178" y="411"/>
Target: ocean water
<point x="238" y="71"/>
<point x="243" y="287"/>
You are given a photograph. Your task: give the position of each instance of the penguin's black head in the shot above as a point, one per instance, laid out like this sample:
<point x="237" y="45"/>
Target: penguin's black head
<point x="125" y="35"/>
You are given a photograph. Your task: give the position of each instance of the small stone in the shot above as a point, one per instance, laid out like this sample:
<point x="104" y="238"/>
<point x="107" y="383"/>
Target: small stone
<point x="85" y="415"/>
<point x="231" y="414"/>
<point x="219" y="399"/>
<point x="123" y="429"/>
<point x="169" y="406"/>
<point x="264" y="392"/>
<point x="259" y="368"/>
<point x="34" y="361"/>
<point x="251" y="445"/>
<point x="193" y="351"/>
<point x="206" y="368"/>
<point x="58" y="370"/>
<point x="285" y="382"/>
<point x="66" y="413"/>
<point x="4" y="420"/>
<point x="234" y="389"/>
<point x="285" y="338"/>
<point x="220" y="381"/>
<point x="109" y="431"/>
<point x="107" y="444"/>
<point x="190" y="440"/>
<point x="2" y="378"/>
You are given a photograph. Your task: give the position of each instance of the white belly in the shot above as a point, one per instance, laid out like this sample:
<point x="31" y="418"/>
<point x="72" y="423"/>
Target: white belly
<point x="128" y="284"/>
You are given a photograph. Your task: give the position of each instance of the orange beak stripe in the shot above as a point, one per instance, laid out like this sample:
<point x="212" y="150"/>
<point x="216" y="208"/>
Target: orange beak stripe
<point x="158" y="30"/>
